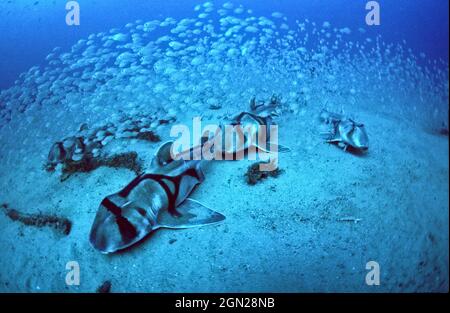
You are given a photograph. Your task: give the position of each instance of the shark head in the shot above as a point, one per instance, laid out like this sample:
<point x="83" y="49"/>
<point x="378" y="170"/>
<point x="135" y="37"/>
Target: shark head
<point x="119" y="224"/>
<point x="360" y="138"/>
<point x="354" y="134"/>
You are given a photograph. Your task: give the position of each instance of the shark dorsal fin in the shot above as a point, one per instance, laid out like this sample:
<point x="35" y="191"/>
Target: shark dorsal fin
<point x="163" y="155"/>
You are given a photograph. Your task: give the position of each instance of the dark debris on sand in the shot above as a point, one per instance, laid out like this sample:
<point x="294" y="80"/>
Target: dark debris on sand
<point x="60" y="224"/>
<point x="83" y="152"/>
<point x="105" y="287"/>
<point x="254" y="174"/>
<point x="127" y="160"/>
<point x="149" y="136"/>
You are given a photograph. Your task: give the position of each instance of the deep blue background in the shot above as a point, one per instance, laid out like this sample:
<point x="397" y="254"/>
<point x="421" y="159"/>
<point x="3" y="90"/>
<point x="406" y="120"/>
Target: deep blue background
<point x="30" y="29"/>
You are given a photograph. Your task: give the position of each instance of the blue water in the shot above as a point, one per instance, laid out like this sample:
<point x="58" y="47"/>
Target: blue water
<point x="41" y="27"/>
<point x="74" y="98"/>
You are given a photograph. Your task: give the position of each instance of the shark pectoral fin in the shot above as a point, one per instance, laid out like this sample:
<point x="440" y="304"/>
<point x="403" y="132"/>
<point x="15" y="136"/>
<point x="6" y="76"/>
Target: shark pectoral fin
<point x="192" y="214"/>
<point x="326" y="135"/>
<point x="333" y="138"/>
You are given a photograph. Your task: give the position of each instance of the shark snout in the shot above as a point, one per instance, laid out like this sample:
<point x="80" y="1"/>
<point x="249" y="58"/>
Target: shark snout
<point x="116" y="228"/>
<point x="360" y="138"/>
<point x="104" y="235"/>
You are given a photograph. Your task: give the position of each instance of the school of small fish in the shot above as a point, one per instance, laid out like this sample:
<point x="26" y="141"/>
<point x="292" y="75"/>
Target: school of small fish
<point x="217" y="58"/>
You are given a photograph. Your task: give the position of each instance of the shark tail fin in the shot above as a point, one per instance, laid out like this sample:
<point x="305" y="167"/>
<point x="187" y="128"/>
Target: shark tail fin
<point x="282" y="148"/>
<point x="192" y="214"/>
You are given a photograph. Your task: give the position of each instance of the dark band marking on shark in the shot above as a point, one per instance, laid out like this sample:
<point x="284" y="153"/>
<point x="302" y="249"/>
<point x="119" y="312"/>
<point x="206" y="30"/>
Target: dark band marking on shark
<point x="162" y="180"/>
<point x="127" y="230"/>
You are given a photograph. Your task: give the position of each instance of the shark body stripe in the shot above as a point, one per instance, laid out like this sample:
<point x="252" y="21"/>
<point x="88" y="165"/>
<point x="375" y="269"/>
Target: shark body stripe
<point x="171" y="196"/>
<point x="126" y="229"/>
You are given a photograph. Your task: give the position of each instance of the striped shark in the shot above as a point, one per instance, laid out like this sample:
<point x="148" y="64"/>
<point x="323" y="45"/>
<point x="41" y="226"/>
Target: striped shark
<point x="150" y="202"/>
<point x="160" y="198"/>
<point x="344" y="132"/>
<point x="257" y="123"/>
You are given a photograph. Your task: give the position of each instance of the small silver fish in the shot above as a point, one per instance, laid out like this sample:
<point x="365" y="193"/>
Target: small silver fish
<point x="344" y="131"/>
<point x="152" y="201"/>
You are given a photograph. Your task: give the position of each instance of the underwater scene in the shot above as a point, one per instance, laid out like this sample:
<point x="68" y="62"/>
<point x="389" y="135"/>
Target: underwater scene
<point x="224" y="146"/>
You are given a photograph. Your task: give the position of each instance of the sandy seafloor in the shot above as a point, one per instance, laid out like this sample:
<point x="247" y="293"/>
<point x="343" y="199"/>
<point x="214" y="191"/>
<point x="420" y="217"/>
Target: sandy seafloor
<point x="285" y="234"/>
